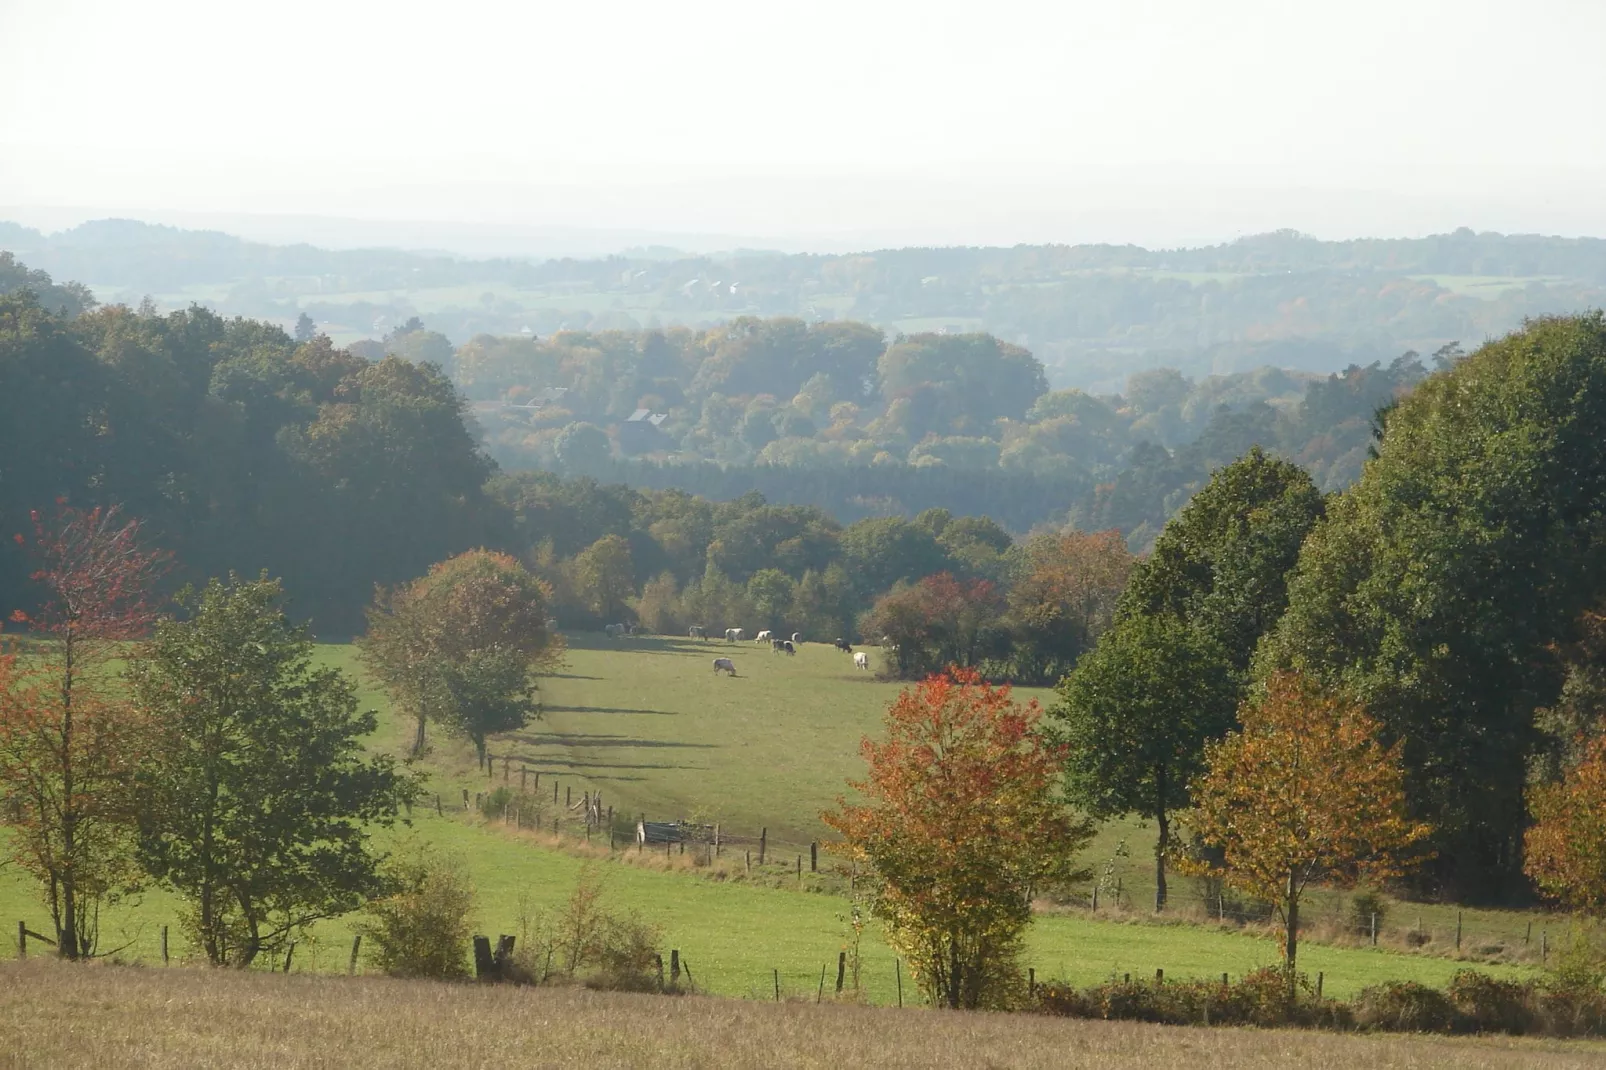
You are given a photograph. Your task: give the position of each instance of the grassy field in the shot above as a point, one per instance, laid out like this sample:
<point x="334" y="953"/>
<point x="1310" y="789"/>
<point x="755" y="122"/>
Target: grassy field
<point x="647" y="723"/>
<point x="53" y="1015"/>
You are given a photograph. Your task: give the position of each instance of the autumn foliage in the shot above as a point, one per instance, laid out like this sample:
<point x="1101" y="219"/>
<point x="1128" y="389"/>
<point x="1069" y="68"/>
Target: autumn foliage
<point x="68" y="740"/>
<point x="960" y="820"/>
<point x="1566" y="846"/>
<point x="1303" y="792"/>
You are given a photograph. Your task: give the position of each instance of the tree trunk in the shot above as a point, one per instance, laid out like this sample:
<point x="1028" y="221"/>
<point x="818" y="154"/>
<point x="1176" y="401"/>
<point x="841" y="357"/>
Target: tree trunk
<point x="1291" y="935"/>
<point x="1163" y="821"/>
<point x="418" y="737"/>
<point x="67" y="931"/>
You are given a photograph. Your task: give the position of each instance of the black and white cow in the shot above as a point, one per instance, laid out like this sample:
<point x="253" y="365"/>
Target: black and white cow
<point x="725" y="665"/>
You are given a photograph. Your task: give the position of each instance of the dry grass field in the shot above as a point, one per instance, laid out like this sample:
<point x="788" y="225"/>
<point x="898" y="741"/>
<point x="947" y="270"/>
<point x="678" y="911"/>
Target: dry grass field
<point x="56" y="1015"/>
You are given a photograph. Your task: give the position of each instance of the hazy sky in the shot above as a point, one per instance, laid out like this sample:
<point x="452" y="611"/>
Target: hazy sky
<point x="1157" y="121"/>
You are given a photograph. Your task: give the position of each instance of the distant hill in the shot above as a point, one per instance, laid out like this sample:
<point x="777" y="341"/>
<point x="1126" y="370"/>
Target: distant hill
<point x="1092" y="314"/>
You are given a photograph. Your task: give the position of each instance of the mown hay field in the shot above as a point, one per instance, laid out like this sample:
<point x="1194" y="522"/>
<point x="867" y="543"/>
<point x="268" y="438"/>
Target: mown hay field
<point x="56" y="1015"/>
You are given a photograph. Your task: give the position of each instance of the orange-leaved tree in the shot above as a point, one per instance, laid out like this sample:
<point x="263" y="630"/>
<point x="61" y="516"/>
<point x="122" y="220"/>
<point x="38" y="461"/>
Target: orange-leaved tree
<point x="959" y="820"/>
<point x="1566" y="846"/>
<point x="1303" y="792"/>
<point x="68" y="742"/>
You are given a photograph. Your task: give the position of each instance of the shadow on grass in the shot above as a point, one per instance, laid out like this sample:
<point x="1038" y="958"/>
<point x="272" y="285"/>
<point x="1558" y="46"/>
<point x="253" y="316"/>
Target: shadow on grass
<point x="607" y="709"/>
<point x="583" y="740"/>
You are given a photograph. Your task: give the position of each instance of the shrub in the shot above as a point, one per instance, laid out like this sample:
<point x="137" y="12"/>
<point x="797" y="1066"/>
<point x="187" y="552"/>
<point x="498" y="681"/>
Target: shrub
<point x="421" y="929"/>
<point x="1259" y="998"/>
<point x="1490" y="1006"/>
<point x="495" y="803"/>
<point x="1405" y="1007"/>
<point x="1364" y="906"/>
<point x="586" y="942"/>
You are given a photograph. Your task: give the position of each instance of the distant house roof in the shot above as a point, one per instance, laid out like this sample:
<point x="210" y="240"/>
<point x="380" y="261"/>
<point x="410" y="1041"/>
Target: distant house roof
<point x="640" y="415"/>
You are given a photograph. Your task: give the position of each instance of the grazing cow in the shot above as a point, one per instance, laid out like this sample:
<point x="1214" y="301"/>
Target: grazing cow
<point x="763" y="636"/>
<point x="788" y="647"/>
<point x="777" y="645"/>
<point x="797" y="637"/>
<point x="698" y="632"/>
<point x="842" y="645"/>
<point x="861" y="660"/>
<point x="724" y="665"/>
<point x="734" y="635"/>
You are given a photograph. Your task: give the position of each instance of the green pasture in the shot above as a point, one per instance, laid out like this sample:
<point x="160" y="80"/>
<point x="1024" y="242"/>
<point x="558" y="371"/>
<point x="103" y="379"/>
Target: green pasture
<point x="646" y="723"/>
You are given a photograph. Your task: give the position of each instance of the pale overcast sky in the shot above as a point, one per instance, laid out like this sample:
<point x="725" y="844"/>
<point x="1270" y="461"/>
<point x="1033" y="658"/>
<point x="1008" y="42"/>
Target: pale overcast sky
<point x="1155" y="121"/>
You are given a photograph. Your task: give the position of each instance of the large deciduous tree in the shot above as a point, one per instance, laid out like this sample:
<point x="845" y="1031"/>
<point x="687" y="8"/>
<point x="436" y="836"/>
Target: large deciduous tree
<point x="257" y="798"/>
<point x="1065" y="598"/>
<point x="960" y="820"/>
<point x="942" y="620"/>
<point x="1135" y="717"/>
<point x="67" y="739"/>
<point x="1566" y="846"/>
<point x="1221" y="563"/>
<point x="1303" y="792"/>
<point x="1439" y="588"/>
<point x="461" y="645"/>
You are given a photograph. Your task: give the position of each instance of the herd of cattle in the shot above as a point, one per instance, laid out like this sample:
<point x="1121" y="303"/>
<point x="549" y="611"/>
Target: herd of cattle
<point x="777" y="644"/>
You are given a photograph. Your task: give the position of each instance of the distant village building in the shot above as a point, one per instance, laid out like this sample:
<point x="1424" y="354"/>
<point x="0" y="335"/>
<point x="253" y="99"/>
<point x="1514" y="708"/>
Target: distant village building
<point x="640" y="433"/>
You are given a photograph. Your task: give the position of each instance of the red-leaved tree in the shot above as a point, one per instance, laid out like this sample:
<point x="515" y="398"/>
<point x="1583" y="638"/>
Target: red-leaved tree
<point x="68" y="742"/>
<point x="961" y="818"/>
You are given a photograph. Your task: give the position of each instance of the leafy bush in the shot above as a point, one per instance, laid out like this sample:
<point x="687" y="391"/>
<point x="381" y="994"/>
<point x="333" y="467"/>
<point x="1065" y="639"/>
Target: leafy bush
<point x="1365" y="906"/>
<point x="494" y="804"/>
<point x="1259" y="998"/>
<point x="1487" y="1005"/>
<point x="421" y="929"/>
<point x="1405" y="1007"/>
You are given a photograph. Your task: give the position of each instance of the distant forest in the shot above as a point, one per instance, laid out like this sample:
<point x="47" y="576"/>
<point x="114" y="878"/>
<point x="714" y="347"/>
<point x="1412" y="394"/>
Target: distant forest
<point x="1090" y="314"/>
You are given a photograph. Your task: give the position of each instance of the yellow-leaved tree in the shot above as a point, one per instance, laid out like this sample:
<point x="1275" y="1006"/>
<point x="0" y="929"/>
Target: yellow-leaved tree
<point x="1566" y="847"/>
<point x="1304" y="791"/>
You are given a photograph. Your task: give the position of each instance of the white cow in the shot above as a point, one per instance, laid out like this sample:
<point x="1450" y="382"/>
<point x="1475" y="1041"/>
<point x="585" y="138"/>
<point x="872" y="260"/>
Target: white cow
<point x="734" y="635"/>
<point x="861" y="660"/>
<point x="797" y="637"/>
<point x="724" y="665"/>
<point x="763" y="636"/>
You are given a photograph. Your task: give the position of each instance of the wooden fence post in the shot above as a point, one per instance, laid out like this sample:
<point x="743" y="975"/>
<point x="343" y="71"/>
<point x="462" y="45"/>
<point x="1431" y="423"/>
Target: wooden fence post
<point x="465" y="798"/>
<point x="763" y="837"/>
<point x="814" y="857"/>
<point x="351" y="967"/>
<point x="1320" y="976"/>
<point x="716" y="839"/>
<point x="22" y="939"/>
<point x="554" y="791"/>
<point x="1159" y="976"/>
<point x="1095" y="897"/>
<point x="438" y="811"/>
<point x="524" y="778"/>
<point x="1031" y="982"/>
<point x="820" y="994"/>
<point x="1544" y="946"/>
<point x="799" y="869"/>
<point x="164" y="945"/>
<point x="674" y="966"/>
<point x="568" y="796"/>
<point x="841" y="970"/>
<point x="777" y="985"/>
<point x="1374" y="928"/>
<point x="484" y="964"/>
<point x="749" y="861"/>
<point x="897" y="966"/>
<point x="288" y="955"/>
<point x="1458" y="930"/>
